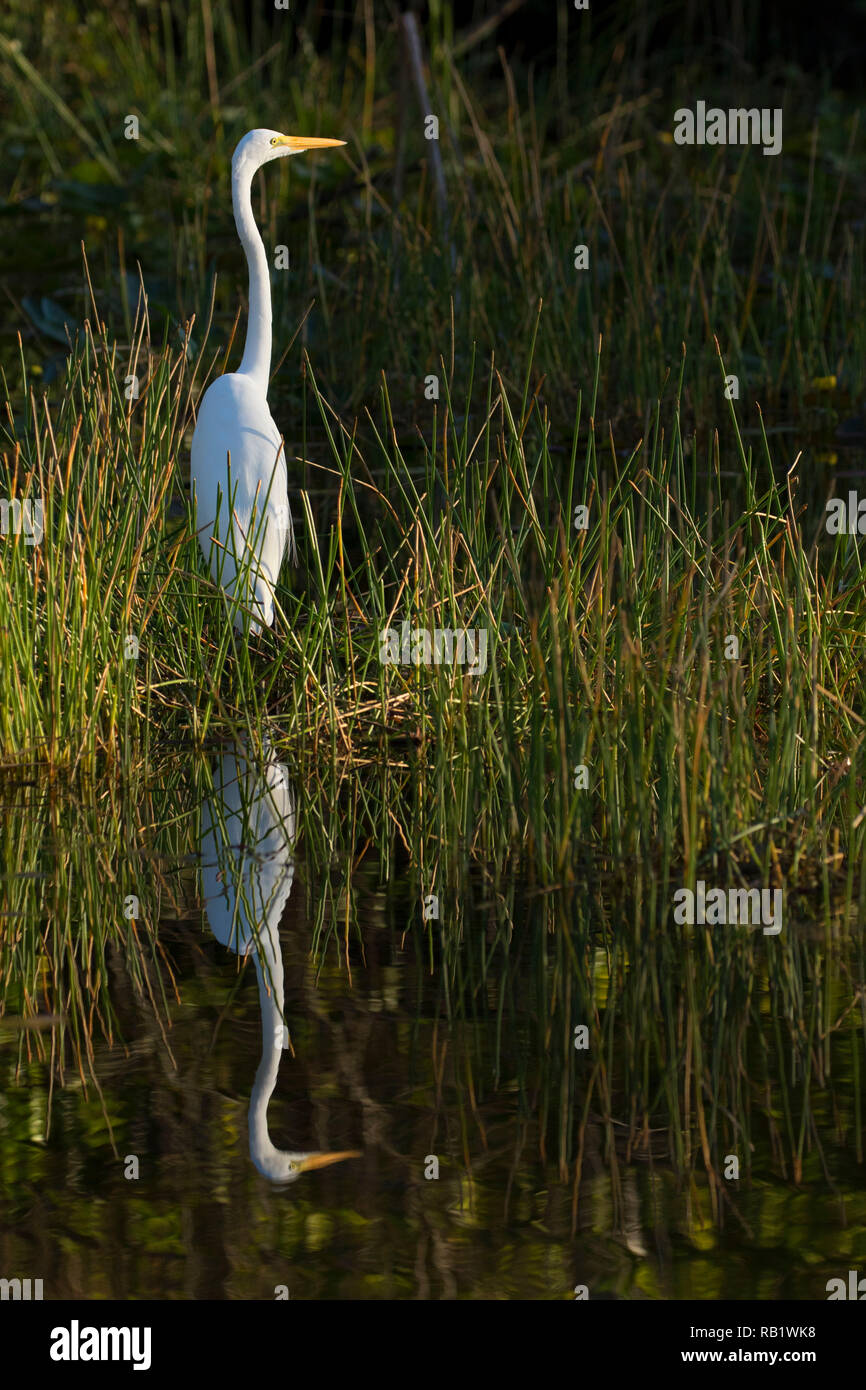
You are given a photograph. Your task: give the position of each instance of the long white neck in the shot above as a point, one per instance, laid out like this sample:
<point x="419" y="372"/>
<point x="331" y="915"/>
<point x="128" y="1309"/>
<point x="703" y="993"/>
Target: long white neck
<point x="256" y="361"/>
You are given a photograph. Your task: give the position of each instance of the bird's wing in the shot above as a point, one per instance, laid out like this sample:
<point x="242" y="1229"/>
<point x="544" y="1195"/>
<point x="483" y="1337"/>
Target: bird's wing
<point x="238" y="463"/>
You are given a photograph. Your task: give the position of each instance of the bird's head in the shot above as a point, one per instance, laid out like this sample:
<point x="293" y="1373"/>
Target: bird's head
<point x="258" y="147"/>
<point x="283" y="1168"/>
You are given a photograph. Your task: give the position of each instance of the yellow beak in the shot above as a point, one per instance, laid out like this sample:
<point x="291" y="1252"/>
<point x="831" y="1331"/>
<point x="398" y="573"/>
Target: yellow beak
<point x="308" y="142"/>
<point x="324" y="1160"/>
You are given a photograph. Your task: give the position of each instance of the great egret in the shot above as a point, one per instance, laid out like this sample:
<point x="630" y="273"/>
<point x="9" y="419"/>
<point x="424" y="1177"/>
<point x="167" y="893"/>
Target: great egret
<point x="238" y="469"/>
<point x="247" y="831"/>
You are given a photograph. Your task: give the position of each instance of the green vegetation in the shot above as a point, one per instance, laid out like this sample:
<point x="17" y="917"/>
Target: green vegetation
<point x="606" y="646"/>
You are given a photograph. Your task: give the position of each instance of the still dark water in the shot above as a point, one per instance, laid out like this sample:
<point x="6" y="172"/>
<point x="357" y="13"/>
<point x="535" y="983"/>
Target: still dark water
<point x="159" y="1169"/>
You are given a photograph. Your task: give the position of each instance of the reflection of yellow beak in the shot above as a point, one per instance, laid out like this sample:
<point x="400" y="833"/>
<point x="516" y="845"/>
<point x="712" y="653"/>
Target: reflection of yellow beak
<point x="308" y="142"/>
<point x="324" y="1160"/>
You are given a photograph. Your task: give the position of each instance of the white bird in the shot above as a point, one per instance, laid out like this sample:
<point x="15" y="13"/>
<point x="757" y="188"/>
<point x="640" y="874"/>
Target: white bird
<point x="247" y="833"/>
<point x="238" y="476"/>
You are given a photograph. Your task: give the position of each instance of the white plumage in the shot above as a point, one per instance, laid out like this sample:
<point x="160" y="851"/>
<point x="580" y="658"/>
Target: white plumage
<point x="238" y="475"/>
<point x="243" y="506"/>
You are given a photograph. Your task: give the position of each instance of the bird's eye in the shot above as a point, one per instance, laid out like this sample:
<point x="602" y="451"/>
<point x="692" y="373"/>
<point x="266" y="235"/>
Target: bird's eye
<point x="275" y="139"/>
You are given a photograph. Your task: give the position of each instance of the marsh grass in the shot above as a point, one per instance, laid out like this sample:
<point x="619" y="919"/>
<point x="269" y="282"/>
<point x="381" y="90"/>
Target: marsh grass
<point x="606" y="648"/>
<point x="606" y="645"/>
<point x="765" y="254"/>
<point x="704" y="1042"/>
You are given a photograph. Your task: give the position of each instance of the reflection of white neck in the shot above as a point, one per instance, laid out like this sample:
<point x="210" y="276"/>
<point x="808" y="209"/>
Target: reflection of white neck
<point x="269" y="1160"/>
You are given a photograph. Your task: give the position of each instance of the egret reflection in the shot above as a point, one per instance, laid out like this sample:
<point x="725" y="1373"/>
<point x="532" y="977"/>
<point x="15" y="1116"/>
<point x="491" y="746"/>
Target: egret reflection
<point x="247" y="838"/>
